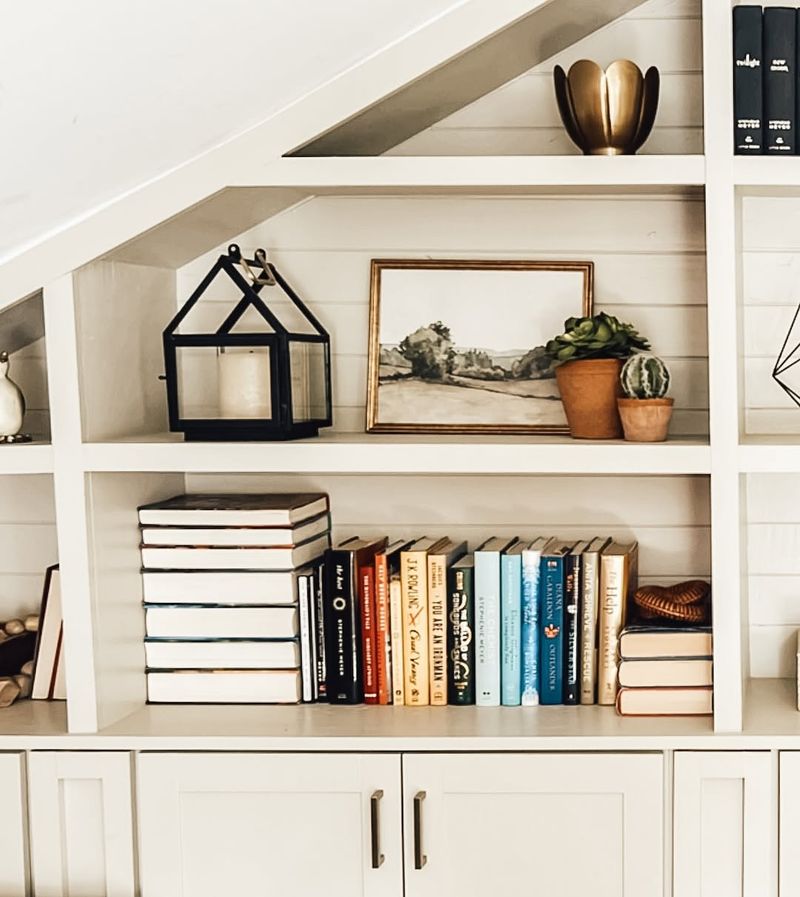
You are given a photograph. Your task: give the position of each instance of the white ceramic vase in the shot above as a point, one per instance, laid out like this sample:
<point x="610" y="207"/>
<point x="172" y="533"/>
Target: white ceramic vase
<point x="12" y="402"/>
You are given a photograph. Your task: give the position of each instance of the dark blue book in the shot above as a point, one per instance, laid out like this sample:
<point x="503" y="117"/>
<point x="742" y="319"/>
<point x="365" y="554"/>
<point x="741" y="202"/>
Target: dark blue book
<point x="551" y="666"/>
<point x="779" y="57"/>
<point x="748" y="83"/>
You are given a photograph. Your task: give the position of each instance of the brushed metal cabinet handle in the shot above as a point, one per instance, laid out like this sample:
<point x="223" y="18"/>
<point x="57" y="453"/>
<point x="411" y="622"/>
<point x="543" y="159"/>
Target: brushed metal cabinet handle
<point x="419" y="857"/>
<point x="375" y="823"/>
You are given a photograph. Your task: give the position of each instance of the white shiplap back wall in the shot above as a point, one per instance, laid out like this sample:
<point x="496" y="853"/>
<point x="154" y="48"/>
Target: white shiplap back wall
<point x="521" y="117"/>
<point x="649" y="255"/>
<point x="770" y="237"/>
<point x="668" y="515"/>
<point x="773" y="564"/>
<point x="27" y="542"/>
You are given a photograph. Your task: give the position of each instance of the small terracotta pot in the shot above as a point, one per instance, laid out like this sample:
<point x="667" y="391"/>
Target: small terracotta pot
<point x="589" y="390"/>
<point x="645" y="420"/>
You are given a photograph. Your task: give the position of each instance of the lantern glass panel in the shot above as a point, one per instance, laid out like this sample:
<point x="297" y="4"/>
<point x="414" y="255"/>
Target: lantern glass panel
<point x="230" y="383"/>
<point x="219" y="300"/>
<point x="309" y="382"/>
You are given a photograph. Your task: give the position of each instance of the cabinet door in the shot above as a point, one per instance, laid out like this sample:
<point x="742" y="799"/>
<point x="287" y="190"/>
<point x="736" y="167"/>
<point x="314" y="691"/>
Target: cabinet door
<point x="570" y="824"/>
<point x="81" y="818"/>
<point x="289" y="825"/>
<point x="789" y="823"/>
<point x="13" y="827"/>
<point x="724" y="824"/>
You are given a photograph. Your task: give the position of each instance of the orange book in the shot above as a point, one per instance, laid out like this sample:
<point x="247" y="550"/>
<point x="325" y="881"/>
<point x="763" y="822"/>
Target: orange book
<point x="368" y="633"/>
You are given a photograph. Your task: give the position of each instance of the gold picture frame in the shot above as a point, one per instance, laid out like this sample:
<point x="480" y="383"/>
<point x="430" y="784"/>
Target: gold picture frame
<point x="429" y="382"/>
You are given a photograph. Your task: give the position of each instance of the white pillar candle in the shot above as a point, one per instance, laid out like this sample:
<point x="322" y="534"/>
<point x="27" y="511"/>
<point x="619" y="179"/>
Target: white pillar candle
<point x="244" y="383"/>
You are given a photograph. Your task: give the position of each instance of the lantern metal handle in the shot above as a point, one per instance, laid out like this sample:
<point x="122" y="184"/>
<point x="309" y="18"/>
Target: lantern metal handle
<point x="263" y="277"/>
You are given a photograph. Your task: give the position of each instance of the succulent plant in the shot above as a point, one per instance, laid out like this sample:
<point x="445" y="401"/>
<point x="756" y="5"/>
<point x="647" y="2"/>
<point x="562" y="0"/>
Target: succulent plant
<point x="644" y="377"/>
<point x="602" y="336"/>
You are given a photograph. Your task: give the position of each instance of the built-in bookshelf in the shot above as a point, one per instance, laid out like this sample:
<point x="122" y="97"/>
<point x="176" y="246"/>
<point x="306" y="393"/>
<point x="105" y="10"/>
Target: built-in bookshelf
<point x="693" y="245"/>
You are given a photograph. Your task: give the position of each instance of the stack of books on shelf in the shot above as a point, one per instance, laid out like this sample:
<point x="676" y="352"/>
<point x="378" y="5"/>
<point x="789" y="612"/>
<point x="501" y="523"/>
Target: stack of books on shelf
<point x="222" y="579"/>
<point x="513" y="623"/>
<point x="765" y="49"/>
<point x="666" y="669"/>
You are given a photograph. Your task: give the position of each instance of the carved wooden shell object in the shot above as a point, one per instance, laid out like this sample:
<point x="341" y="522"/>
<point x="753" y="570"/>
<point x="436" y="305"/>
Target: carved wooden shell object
<point x="684" y="601"/>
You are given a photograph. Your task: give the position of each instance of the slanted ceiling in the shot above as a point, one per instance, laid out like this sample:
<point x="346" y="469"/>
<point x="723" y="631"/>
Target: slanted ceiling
<point x="454" y="60"/>
<point x="479" y="70"/>
<point x="550" y="28"/>
<point x="22" y="323"/>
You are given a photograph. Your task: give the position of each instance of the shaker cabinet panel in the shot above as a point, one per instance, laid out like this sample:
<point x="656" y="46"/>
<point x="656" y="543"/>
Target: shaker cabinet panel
<point x="13" y="827"/>
<point x="724" y="827"/>
<point x="276" y="824"/>
<point x="566" y="824"/>
<point x="789" y="825"/>
<point x="81" y="822"/>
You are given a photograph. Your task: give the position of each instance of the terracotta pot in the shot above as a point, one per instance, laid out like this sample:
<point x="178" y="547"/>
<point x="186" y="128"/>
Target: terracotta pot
<point x="589" y="390"/>
<point x="645" y="420"/>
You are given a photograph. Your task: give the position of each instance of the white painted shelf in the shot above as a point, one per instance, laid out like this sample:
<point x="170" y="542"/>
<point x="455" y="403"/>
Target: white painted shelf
<point x="466" y="174"/>
<point x="325" y="728"/>
<point x="25" y="458"/>
<point x="770" y="454"/>
<point x="766" y="171"/>
<point x="771" y="720"/>
<point x="363" y="453"/>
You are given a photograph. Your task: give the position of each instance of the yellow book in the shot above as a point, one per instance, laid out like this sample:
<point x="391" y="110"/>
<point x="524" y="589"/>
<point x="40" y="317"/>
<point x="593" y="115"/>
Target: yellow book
<point x="618" y="576"/>
<point x="414" y="589"/>
<point x="438" y="563"/>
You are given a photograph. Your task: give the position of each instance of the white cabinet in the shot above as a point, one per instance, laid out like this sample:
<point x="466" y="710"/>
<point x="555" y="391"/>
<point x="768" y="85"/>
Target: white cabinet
<point x="789" y="871"/>
<point x="566" y="824"/>
<point x="13" y="827"/>
<point x="288" y="824"/>
<point x="725" y="824"/>
<point x="81" y="823"/>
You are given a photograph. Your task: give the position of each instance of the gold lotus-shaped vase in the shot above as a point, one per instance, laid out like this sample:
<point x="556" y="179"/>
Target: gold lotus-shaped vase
<point x="607" y="113"/>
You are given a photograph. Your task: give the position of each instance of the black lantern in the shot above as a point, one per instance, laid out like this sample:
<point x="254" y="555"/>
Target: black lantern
<point x="261" y="372"/>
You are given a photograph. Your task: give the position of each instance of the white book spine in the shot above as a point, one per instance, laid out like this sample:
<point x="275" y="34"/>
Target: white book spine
<point x="396" y="635"/>
<point x="487" y="627"/>
<point x="305" y="636"/>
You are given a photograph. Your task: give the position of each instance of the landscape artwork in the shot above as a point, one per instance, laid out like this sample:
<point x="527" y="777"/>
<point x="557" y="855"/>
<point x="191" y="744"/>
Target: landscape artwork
<point x="458" y="346"/>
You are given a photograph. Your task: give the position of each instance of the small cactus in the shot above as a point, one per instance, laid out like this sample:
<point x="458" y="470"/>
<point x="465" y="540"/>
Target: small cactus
<point x="644" y="377"/>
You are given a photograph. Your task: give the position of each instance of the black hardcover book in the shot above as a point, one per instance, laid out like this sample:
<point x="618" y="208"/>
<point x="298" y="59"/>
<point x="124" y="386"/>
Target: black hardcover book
<point x="572" y="624"/>
<point x="344" y="659"/>
<point x="748" y="95"/>
<point x="15" y="652"/>
<point x="461" y="631"/>
<point x="780" y="88"/>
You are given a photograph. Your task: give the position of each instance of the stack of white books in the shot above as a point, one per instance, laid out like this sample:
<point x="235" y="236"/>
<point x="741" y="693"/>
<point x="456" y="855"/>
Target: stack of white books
<point x="221" y="584"/>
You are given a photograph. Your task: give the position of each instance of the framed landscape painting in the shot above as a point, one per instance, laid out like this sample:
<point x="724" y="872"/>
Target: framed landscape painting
<point x="458" y="346"/>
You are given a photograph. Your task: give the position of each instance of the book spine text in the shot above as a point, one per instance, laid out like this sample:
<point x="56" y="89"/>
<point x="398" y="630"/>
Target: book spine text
<point x="531" y="561"/>
<point x="511" y="629"/>
<point x="414" y="581"/>
<point x="461" y="641"/>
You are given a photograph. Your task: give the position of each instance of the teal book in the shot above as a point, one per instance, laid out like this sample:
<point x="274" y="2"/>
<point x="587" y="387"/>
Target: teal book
<point x="487" y="621"/>
<point x="531" y="599"/>
<point x="511" y="626"/>
<point x="551" y="660"/>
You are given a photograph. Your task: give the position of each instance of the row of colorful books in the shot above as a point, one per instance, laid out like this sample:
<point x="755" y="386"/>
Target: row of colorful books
<point x="514" y="623"/>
